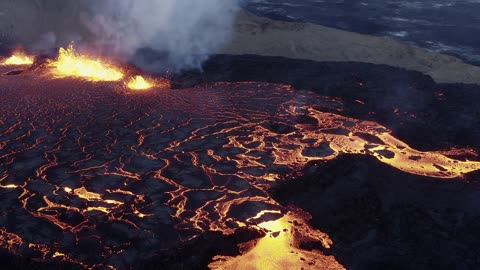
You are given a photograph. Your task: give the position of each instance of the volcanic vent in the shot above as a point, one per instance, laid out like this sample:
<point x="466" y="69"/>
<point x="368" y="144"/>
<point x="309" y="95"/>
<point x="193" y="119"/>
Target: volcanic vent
<point x="98" y="175"/>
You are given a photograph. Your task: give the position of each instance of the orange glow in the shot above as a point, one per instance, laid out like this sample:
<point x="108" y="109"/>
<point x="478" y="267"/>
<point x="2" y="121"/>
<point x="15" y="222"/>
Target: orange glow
<point x="71" y="64"/>
<point x="432" y="164"/>
<point x="193" y="159"/>
<point x="87" y="195"/>
<point x="91" y="196"/>
<point x="58" y="254"/>
<point x="10" y="186"/>
<point x="279" y="249"/>
<point x="139" y="83"/>
<point x="18" y="58"/>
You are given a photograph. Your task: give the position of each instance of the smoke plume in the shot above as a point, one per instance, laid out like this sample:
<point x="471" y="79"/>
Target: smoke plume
<point x="185" y="32"/>
<point x="179" y="34"/>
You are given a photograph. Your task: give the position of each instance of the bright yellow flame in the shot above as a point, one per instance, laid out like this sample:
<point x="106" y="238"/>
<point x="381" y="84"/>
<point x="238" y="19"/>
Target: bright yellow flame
<point x="139" y="83"/>
<point x="71" y="64"/>
<point x="18" y="58"/>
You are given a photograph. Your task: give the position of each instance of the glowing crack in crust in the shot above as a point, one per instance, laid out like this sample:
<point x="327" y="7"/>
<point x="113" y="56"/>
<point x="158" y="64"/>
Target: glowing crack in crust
<point x="386" y="148"/>
<point x="123" y="177"/>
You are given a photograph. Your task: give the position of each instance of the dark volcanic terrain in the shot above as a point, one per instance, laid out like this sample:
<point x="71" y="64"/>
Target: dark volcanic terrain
<point x="328" y="165"/>
<point x="441" y="26"/>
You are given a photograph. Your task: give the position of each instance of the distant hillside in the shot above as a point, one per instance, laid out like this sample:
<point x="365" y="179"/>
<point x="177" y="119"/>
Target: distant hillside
<point x="253" y="35"/>
<point x="262" y="36"/>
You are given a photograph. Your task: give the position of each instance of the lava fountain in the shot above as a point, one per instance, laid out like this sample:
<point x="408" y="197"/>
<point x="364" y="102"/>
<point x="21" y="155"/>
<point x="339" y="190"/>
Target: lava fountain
<point x="72" y="64"/>
<point x="19" y="58"/>
<point x="139" y="83"/>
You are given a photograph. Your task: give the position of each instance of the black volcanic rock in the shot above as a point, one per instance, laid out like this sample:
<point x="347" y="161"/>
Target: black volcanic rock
<point x="382" y="218"/>
<point x="142" y="187"/>
<point x="425" y="114"/>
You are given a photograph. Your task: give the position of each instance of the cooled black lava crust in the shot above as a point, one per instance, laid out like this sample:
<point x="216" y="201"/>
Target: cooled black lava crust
<point x="377" y="216"/>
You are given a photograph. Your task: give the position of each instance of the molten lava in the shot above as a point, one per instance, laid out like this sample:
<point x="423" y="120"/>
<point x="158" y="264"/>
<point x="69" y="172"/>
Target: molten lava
<point x="72" y="64"/>
<point x="139" y="83"/>
<point x="279" y="249"/>
<point x="19" y="58"/>
<point x="126" y="176"/>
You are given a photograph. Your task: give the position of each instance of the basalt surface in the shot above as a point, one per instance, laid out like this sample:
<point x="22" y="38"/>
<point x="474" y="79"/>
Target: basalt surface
<point x="254" y="160"/>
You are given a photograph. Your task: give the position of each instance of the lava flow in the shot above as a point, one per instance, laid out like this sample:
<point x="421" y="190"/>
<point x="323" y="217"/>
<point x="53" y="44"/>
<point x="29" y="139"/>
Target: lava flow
<point x="98" y="178"/>
<point x="19" y="58"/>
<point x="279" y="249"/>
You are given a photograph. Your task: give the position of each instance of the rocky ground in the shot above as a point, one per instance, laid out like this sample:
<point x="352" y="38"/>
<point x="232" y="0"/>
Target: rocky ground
<point x="377" y="215"/>
<point x="443" y="115"/>
<point x="381" y="218"/>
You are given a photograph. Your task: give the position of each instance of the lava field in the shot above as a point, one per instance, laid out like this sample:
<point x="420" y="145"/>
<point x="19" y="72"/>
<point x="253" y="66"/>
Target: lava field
<point x="252" y="163"/>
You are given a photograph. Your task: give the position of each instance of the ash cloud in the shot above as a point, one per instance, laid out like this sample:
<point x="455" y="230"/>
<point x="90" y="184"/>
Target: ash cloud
<point x="184" y="32"/>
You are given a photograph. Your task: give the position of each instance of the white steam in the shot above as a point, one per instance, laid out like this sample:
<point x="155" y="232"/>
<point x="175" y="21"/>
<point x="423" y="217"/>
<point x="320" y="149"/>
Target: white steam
<point x="186" y="32"/>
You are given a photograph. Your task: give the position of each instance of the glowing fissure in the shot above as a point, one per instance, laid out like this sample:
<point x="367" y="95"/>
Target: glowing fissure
<point x="70" y="63"/>
<point x="201" y="159"/>
<point x="19" y="58"/>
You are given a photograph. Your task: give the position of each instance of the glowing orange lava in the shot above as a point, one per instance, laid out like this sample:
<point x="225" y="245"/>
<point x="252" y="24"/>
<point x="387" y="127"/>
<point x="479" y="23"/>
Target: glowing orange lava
<point x="19" y="58"/>
<point x="139" y="83"/>
<point x="72" y="64"/>
<point x="199" y="160"/>
<point x="279" y="249"/>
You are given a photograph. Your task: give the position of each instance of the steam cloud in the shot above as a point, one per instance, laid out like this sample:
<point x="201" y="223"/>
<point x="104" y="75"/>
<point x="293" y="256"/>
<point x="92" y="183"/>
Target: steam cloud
<point x="186" y="31"/>
<point x="183" y="32"/>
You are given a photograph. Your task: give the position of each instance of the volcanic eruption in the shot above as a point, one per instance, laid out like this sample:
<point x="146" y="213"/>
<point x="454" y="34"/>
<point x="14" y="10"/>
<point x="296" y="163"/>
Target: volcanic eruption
<point x="18" y="58"/>
<point x="139" y="83"/>
<point x="70" y="64"/>
<point x="186" y="162"/>
<point x="104" y="165"/>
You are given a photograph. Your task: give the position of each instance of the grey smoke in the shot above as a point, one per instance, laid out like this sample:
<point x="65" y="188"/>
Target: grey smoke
<point x="184" y="32"/>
